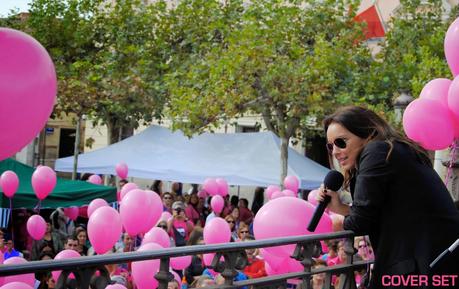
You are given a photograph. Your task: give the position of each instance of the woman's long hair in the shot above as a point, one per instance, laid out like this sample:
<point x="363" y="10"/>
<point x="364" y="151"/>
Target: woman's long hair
<point x="366" y="124"/>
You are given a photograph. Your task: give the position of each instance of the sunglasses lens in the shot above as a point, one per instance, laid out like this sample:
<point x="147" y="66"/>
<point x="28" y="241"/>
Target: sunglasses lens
<point x="339" y="142"/>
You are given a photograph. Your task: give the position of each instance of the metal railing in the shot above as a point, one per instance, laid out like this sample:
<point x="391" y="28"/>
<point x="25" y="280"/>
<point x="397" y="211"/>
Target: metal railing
<point x="234" y="255"/>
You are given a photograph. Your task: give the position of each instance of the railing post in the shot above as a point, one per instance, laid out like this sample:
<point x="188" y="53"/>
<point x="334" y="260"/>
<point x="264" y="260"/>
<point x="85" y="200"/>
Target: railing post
<point x="234" y="260"/>
<point x="163" y="276"/>
<point x="304" y="253"/>
<point x="347" y="279"/>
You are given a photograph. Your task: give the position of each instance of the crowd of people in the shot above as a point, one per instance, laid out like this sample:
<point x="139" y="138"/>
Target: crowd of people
<point x="190" y="213"/>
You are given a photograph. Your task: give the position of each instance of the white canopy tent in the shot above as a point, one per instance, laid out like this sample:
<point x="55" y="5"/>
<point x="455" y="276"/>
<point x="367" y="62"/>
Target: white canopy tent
<point x="246" y="159"/>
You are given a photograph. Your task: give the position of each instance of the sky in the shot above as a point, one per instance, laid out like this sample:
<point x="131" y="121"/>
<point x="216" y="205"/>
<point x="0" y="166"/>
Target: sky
<point x="7" y="5"/>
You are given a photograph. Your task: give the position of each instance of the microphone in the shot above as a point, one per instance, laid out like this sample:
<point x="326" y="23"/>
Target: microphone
<point x="333" y="181"/>
<point x="446" y="252"/>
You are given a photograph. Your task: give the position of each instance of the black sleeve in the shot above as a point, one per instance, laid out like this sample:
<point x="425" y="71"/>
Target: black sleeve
<point x="370" y="189"/>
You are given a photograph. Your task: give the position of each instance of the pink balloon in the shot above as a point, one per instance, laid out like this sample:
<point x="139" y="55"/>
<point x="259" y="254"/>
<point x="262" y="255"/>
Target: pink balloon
<point x="274" y="261"/>
<point x="16" y="285"/>
<point x="294" y="265"/>
<point x="207" y="258"/>
<point x="210" y="186"/>
<point x="127" y="188"/>
<point x="96" y="204"/>
<point x="453" y="98"/>
<point x="165" y="216"/>
<point x="139" y="211"/>
<point x="267" y="223"/>
<point x="180" y="263"/>
<point x="312" y="197"/>
<point x="429" y="123"/>
<point x="289" y="193"/>
<point x="36" y="226"/>
<point x="157" y="235"/>
<point x="72" y="212"/>
<point x="43" y="181"/>
<point x="27" y="90"/>
<point x="276" y="195"/>
<point x="144" y="272"/>
<point x="282" y="268"/>
<point x="202" y="194"/>
<point x="156" y="209"/>
<point x="115" y="286"/>
<point x="217" y="231"/>
<point x="65" y="254"/>
<point x="28" y="279"/>
<point x="9" y="182"/>
<point x="270" y="190"/>
<point x="222" y="187"/>
<point x="104" y="229"/>
<point x="121" y="170"/>
<point x="291" y="183"/>
<point x="217" y="203"/>
<point x="95" y="179"/>
<point x="452" y="47"/>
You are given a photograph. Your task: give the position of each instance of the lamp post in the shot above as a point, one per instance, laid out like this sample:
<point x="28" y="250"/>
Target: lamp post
<point x="400" y="103"/>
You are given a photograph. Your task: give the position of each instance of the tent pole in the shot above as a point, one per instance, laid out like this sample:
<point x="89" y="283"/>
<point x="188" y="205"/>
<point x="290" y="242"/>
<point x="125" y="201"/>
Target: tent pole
<point x="238" y="191"/>
<point x="76" y="149"/>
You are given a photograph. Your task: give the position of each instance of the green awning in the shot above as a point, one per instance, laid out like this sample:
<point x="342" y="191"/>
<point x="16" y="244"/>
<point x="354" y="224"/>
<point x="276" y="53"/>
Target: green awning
<point x="66" y="193"/>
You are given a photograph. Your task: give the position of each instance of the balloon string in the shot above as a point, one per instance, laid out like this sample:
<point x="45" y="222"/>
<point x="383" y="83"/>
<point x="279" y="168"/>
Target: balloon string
<point x="11" y="216"/>
<point x="451" y="161"/>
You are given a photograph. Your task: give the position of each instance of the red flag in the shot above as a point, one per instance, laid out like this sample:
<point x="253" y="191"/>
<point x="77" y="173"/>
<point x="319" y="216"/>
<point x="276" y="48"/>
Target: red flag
<point x="374" y="27"/>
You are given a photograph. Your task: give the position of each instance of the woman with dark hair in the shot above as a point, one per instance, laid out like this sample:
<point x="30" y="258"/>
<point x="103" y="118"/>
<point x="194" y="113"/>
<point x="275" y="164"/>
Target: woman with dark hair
<point x="258" y="199"/>
<point x="398" y="199"/>
<point x="157" y="187"/>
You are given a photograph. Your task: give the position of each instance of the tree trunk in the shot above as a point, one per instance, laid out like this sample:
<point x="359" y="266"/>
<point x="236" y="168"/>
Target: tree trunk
<point x="117" y="133"/>
<point x="284" y="159"/>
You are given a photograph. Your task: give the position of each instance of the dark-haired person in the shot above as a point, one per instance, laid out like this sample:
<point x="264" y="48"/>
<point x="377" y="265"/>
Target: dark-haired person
<point x="398" y="199"/>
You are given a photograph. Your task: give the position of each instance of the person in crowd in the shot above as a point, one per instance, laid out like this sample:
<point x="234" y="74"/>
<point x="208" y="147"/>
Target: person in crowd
<point x="318" y="280"/>
<point x="228" y="208"/>
<point x="191" y="210"/>
<point x="173" y="284"/>
<point x="341" y="256"/>
<point x="232" y="224"/>
<point x="177" y="189"/>
<point x="61" y="223"/>
<point x="168" y="199"/>
<point x="212" y="215"/>
<point x="82" y="236"/>
<point x="256" y="265"/>
<point x="398" y="199"/>
<point x="122" y="182"/>
<point x="127" y="244"/>
<point x="179" y="227"/>
<point x="235" y="214"/>
<point x="2" y="242"/>
<point x="258" y="199"/>
<point x="203" y="281"/>
<point x="245" y="215"/>
<point x="332" y="246"/>
<point x="10" y="251"/>
<point x="193" y="189"/>
<point x="71" y="243"/>
<point x="364" y="249"/>
<point x="157" y="187"/>
<point x="203" y="211"/>
<point x="243" y="231"/>
<point x="197" y="266"/>
<point x="52" y="239"/>
<point x="234" y="200"/>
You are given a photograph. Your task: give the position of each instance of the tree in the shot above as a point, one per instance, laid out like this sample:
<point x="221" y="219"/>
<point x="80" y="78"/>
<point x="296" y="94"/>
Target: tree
<point x="284" y="61"/>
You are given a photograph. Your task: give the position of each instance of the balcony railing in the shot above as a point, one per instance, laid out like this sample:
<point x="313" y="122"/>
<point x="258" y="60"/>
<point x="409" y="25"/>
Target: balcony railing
<point x="234" y="256"/>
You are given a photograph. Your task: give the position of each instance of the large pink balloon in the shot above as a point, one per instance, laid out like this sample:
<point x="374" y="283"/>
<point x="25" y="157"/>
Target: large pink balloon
<point x="95" y="179"/>
<point x="137" y="211"/>
<point x="65" y="254"/>
<point x="156" y="208"/>
<point x="217" y="203"/>
<point x="144" y="272"/>
<point x="115" y="286"/>
<point x="121" y="170"/>
<point x="452" y="47"/>
<point x="429" y="123"/>
<point x="27" y="90"/>
<point x="438" y="89"/>
<point x="267" y="223"/>
<point x="36" y="226"/>
<point x="273" y="260"/>
<point x="270" y="190"/>
<point x="9" y="182"/>
<point x="96" y="204"/>
<point x="43" y="181"/>
<point x="28" y="279"/>
<point x="157" y="235"/>
<point x="127" y="188"/>
<point x="210" y="186"/>
<point x="16" y="285"/>
<point x="217" y="231"/>
<point x="222" y="187"/>
<point x="312" y="197"/>
<point x="180" y="263"/>
<point x="291" y="183"/>
<point x="207" y="258"/>
<point x="72" y="212"/>
<point x="104" y="229"/>
<point x="453" y="97"/>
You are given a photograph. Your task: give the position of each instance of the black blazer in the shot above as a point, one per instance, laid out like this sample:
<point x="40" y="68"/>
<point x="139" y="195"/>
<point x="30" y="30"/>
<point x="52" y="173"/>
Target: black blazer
<point x="405" y="208"/>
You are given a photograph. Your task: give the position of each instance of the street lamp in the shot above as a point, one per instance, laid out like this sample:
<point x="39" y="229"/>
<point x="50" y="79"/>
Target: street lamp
<point x="400" y="103"/>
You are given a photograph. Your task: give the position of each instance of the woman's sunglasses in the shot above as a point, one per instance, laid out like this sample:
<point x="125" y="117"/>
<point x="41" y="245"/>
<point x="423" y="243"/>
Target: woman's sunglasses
<point x="338" y="142"/>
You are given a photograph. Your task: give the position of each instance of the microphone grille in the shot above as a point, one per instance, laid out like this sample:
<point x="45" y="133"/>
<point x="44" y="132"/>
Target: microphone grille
<point x="333" y="180"/>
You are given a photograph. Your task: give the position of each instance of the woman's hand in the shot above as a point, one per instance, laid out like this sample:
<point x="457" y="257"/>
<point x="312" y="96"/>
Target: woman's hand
<point x="335" y="204"/>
